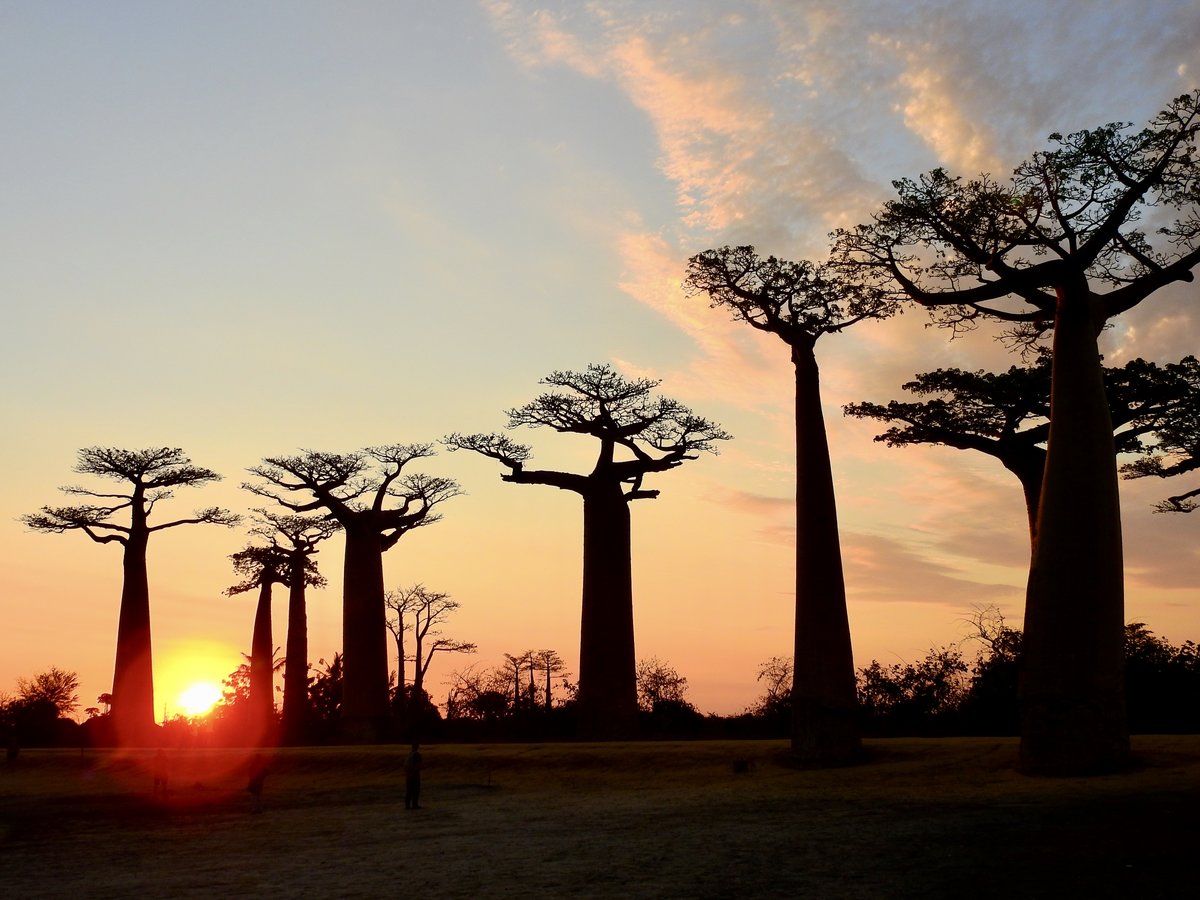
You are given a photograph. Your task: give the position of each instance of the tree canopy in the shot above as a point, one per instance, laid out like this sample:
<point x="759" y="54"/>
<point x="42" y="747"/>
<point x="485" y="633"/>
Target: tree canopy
<point x="1113" y="206"/>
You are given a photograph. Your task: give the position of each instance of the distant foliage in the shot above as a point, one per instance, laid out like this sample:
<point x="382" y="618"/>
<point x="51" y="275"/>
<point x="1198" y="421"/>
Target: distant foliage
<point x="946" y="693"/>
<point x="37" y="715"/>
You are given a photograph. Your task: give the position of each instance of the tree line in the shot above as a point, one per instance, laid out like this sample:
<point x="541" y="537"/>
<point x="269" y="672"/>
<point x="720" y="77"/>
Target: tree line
<point x="1083" y="231"/>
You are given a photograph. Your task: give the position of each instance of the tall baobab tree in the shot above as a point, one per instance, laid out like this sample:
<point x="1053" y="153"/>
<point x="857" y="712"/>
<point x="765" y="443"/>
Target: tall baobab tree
<point x="1006" y="414"/>
<point x="296" y="537"/>
<point x="355" y="490"/>
<point x="421" y="610"/>
<point x="800" y="302"/>
<point x="639" y="434"/>
<point x="150" y="476"/>
<point x="1061" y="244"/>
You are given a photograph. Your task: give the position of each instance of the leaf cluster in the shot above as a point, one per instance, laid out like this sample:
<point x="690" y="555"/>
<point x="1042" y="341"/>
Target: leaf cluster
<point x="151" y="475"/>
<point x="797" y="301"/>
<point x="1070" y="214"/>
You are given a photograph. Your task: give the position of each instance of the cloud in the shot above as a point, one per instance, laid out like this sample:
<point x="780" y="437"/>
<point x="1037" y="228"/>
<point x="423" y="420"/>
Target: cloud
<point x="778" y="122"/>
<point x="880" y="568"/>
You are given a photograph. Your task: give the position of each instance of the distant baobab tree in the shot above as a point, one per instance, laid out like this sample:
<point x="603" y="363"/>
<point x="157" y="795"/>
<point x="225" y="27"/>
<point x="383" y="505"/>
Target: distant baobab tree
<point x="260" y="568"/>
<point x="420" y="610"/>
<point x="151" y="476"/>
<point x="296" y="538"/>
<point x="639" y="434"/>
<point x="548" y="663"/>
<point x="1063" y="243"/>
<point x="1006" y="415"/>
<point x="800" y="302"/>
<point x="355" y="489"/>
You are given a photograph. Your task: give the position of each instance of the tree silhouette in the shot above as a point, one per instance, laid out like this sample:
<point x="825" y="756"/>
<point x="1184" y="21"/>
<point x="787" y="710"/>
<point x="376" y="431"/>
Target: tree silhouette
<point x="421" y="610"/>
<point x="800" y="303"/>
<point x="658" y="682"/>
<point x="639" y="434"/>
<point x="296" y="538"/>
<point x="1006" y="414"/>
<point x="1059" y="245"/>
<point x="260" y="568"/>
<point x="151" y="476"/>
<point x="550" y="663"/>
<point x="354" y="490"/>
<point x="1176" y="449"/>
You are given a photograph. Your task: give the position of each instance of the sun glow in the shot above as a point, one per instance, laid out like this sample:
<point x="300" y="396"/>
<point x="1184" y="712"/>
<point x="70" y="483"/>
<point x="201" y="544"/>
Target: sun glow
<point x="198" y="698"/>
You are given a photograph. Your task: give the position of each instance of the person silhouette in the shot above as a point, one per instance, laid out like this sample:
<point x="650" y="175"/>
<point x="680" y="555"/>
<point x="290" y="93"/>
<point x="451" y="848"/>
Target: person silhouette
<point x="258" y="775"/>
<point x="412" y="777"/>
<point x="161" y="773"/>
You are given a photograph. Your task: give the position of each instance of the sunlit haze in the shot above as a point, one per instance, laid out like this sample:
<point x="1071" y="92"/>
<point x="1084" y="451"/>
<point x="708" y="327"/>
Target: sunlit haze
<point x="246" y="229"/>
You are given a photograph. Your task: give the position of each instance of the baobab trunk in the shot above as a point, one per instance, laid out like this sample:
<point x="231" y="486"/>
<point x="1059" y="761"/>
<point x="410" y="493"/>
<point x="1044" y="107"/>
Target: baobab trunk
<point x="825" y="727"/>
<point x="607" y="700"/>
<point x="1072" y="693"/>
<point x="295" y="672"/>
<point x="1029" y="467"/>
<point x="262" y="706"/>
<point x="133" y="670"/>
<point x="364" y="639"/>
<point x="400" y="703"/>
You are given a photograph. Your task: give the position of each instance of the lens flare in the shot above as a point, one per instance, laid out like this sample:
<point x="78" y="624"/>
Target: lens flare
<point x="198" y="698"/>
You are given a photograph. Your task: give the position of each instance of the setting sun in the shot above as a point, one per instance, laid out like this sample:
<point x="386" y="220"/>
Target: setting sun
<point x="198" y="698"/>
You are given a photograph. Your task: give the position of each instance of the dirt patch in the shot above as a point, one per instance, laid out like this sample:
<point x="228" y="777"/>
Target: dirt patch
<point x="920" y="818"/>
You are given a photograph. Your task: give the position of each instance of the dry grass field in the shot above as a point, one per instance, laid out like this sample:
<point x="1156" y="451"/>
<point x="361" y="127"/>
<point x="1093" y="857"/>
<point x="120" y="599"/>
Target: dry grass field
<point x="922" y="818"/>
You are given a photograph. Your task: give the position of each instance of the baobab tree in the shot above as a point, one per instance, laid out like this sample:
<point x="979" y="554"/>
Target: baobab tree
<point x="355" y="489"/>
<point x="1006" y="414"/>
<point x="151" y="476"/>
<point x="296" y="538"/>
<point x="549" y="663"/>
<point x="640" y="434"/>
<point x="801" y="302"/>
<point x="1059" y="245"/>
<point x="420" y="610"/>
<point x="260" y="568"/>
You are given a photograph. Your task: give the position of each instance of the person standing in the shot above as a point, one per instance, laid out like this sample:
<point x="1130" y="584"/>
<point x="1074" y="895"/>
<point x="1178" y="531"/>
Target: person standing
<point x="258" y="775"/>
<point x="412" y="777"/>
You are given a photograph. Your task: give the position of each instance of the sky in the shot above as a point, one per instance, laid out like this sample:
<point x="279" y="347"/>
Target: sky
<point x="247" y="229"/>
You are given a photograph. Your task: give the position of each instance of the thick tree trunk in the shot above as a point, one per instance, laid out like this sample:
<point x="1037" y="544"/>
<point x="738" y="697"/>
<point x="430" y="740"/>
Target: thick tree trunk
<point x="825" y="728"/>
<point x="262" y="705"/>
<point x="295" y="671"/>
<point x="133" y="671"/>
<point x="364" y="639"/>
<point x="607" y="702"/>
<point x="1072" y="697"/>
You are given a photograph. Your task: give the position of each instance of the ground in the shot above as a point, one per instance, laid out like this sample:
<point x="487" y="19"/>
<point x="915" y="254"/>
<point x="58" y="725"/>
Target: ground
<point x="920" y="818"/>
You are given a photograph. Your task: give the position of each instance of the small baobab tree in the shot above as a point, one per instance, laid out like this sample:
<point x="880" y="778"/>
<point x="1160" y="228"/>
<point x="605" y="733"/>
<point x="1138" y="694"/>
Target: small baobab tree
<point x="150" y="477"/>
<point x="801" y="302"/>
<point x="548" y="663"/>
<point x="260" y="569"/>
<point x="376" y="500"/>
<point x="639" y="434"/>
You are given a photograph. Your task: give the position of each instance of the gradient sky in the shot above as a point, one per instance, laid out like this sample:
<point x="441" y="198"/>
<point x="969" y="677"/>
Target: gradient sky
<point x="243" y="229"/>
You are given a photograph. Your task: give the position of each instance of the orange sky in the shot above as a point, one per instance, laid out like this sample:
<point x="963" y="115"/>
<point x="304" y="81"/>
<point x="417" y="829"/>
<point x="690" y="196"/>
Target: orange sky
<point x="247" y="231"/>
